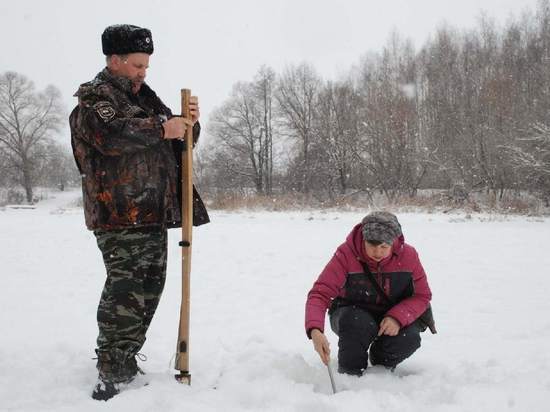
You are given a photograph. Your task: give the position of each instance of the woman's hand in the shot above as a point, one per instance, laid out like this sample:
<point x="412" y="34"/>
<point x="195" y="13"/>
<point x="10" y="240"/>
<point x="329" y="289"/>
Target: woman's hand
<point x="389" y="326"/>
<point x="321" y="345"/>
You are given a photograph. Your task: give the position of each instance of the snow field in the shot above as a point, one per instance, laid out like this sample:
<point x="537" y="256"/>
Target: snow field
<point x="251" y="273"/>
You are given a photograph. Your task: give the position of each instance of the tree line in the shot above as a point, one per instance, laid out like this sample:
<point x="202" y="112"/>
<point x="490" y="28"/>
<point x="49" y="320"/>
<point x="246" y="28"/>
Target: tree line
<point x="467" y="112"/>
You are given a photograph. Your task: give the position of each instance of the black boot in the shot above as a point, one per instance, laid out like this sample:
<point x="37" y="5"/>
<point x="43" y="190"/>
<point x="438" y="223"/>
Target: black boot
<point x="105" y="390"/>
<point x="352" y="372"/>
<point x="116" y="370"/>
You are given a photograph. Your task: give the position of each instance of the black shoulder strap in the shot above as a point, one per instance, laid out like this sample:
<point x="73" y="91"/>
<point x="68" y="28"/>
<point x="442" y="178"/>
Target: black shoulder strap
<point x="426" y="319"/>
<point x="378" y="288"/>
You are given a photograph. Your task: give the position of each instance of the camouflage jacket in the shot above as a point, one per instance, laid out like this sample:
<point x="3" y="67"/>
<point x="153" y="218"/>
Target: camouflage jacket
<point x="130" y="174"/>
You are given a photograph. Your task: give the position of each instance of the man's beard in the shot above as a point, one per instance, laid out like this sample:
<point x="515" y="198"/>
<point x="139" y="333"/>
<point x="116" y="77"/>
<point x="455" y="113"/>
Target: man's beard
<point x="136" y="84"/>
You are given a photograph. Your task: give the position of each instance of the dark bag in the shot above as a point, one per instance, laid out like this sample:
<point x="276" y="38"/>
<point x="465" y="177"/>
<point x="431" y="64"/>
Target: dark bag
<point x="425" y="321"/>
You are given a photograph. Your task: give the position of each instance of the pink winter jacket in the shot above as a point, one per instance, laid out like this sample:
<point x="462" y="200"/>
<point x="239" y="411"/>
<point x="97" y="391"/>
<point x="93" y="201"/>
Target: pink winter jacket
<point x="348" y="260"/>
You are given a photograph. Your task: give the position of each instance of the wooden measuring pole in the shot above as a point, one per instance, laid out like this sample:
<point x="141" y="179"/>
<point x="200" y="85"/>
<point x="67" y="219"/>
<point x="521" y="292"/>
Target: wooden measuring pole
<point x="182" y="350"/>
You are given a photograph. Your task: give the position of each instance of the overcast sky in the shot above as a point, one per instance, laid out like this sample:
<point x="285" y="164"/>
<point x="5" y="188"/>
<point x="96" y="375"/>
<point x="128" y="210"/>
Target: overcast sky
<point x="208" y="45"/>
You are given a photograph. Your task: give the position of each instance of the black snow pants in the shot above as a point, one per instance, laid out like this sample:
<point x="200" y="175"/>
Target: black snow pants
<point x="357" y="330"/>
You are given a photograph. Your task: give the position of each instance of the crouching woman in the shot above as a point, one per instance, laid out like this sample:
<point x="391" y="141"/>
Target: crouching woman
<point x="377" y="296"/>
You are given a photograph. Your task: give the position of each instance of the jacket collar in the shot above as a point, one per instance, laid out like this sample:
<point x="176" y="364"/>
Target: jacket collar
<point x="123" y="83"/>
<point x="355" y="242"/>
<point x="119" y="82"/>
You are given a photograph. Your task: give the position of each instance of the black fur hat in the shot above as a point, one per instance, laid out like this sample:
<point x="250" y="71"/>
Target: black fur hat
<point x="125" y="39"/>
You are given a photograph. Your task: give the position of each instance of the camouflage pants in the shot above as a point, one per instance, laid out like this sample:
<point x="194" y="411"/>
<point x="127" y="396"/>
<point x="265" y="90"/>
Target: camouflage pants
<point x="135" y="260"/>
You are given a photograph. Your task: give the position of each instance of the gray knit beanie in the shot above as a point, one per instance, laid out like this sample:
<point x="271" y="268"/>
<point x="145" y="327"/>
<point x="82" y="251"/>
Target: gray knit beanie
<point x="381" y="227"/>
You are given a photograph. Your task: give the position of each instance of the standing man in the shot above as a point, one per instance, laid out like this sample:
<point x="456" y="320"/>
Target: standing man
<point x="127" y="146"/>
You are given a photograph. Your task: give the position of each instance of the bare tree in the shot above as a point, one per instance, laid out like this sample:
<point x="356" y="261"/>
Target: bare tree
<point x="296" y="97"/>
<point x="441" y="88"/>
<point x="530" y="156"/>
<point x="263" y="87"/>
<point x="243" y="127"/>
<point x="337" y="130"/>
<point x="55" y="166"/>
<point x="388" y="128"/>
<point x="27" y="120"/>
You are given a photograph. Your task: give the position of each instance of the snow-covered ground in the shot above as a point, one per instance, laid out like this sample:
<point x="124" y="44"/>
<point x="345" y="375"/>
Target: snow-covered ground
<point x="251" y="271"/>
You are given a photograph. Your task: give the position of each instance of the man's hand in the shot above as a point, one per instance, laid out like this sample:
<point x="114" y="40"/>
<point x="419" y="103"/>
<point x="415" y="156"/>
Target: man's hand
<point x="389" y="326"/>
<point x="321" y="345"/>
<point x="175" y="127"/>
<point x="194" y="108"/>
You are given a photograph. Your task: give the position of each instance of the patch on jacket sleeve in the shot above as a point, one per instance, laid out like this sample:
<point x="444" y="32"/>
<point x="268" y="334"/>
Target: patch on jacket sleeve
<point x="132" y="111"/>
<point x="105" y="110"/>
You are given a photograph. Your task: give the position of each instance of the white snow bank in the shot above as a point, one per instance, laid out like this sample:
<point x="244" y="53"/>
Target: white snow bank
<point x="251" y="273"/>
